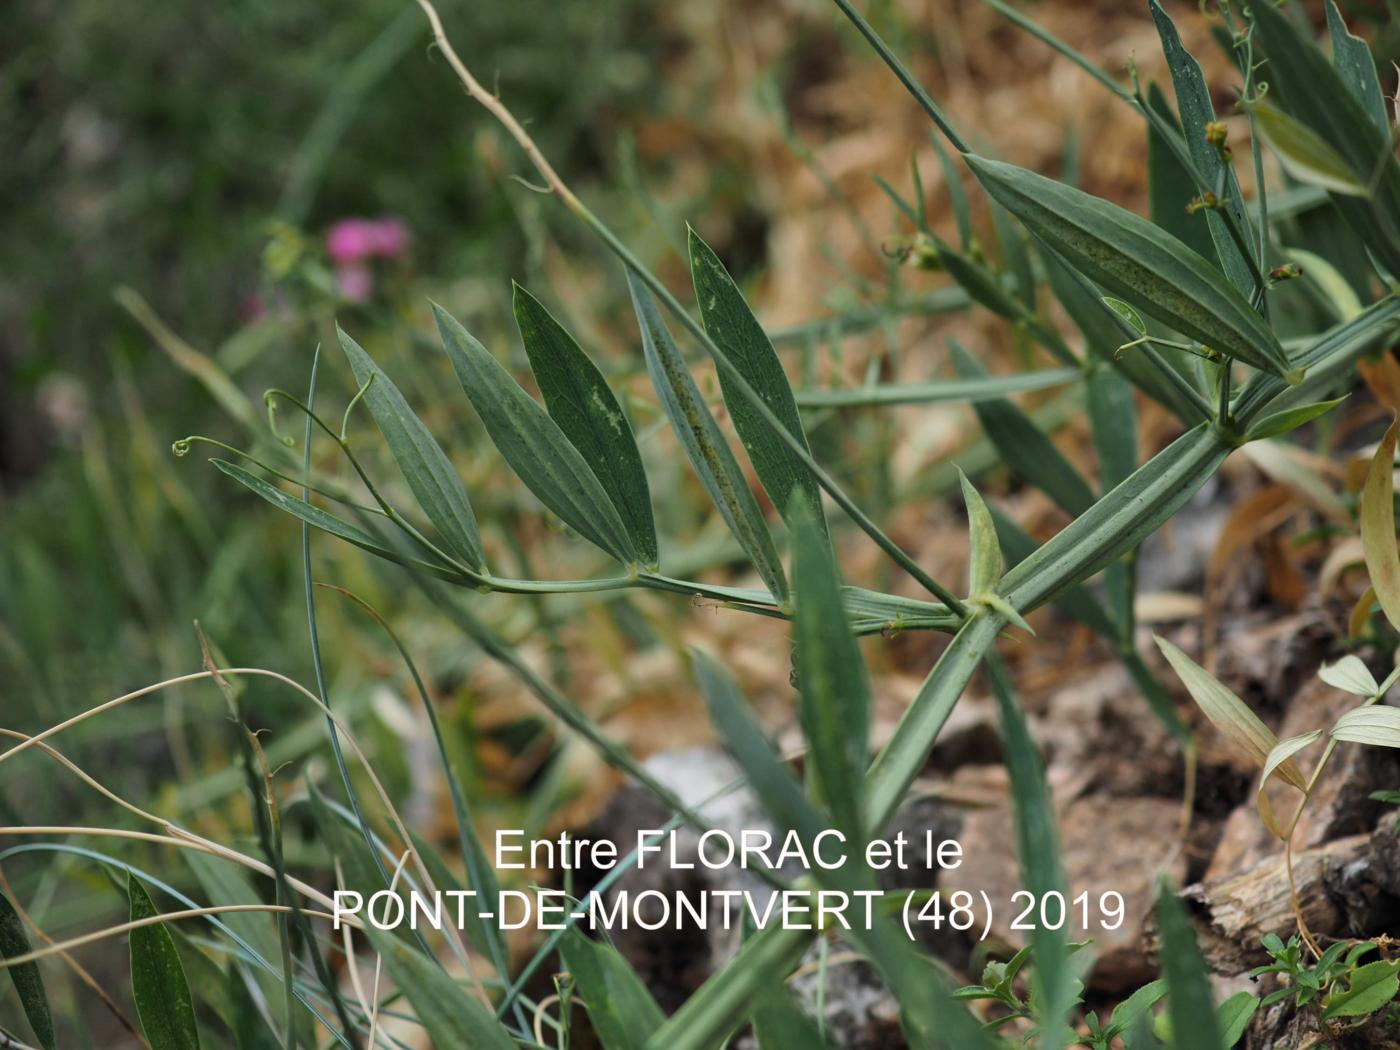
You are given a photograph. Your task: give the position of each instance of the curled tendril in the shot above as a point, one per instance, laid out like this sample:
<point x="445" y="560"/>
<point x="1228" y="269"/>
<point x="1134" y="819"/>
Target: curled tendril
<point x="182" y="447"/>
<point x="1260" y="90"/>
<point x="270" y="400"/>
<point x="345" y="419"/>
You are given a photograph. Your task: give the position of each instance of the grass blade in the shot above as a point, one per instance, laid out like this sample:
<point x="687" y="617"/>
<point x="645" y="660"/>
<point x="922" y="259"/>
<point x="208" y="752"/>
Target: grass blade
<point x="1025" y="449"/>
<point x="448" y="1014"/>
<point x="1037" y="845"/>
<point x="426" y="468"/>
<point x="704" y="445"/>
<point x="1189" y="1003"/>
<point x="532" y="443"/>
<point x="1133" y="258"/>
<point x="29" y="984"/>
<point x="158" y="979"/>
<point x="780" y="1024"/>
<point x="833" y="690"/>
<point x="733" y="327"/>
<point x="622" y="1011"/>
<point x="984" y="560"/>
<point x="578" y="398"/>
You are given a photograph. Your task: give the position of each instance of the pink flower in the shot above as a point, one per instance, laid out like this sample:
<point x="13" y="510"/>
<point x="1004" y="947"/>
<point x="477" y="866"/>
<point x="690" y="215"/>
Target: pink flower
<point x="354" y="240"/>
<point x="356" y="282"/>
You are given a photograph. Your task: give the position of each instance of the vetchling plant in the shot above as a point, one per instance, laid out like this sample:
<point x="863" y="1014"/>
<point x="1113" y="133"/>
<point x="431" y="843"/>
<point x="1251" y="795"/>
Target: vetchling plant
<point x="1189" y="308"/>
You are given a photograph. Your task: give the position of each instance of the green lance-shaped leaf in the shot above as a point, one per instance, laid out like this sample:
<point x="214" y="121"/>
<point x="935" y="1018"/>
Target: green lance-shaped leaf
<point x="1353" y="60"/>
<point x="622" y="1011"/>
<point x="1197" y="110"/>
<point x="449" y="1016"/>
<point x="579" y="400"/>
<point x="833" y="690"/>
<point x="533" y="444"/>
<point x="1193" y="1019"/>
<point x="703" y="442"/>
<point x="1038" y="847"/>
<point x="158" y="979"/>
<point x="1133" y="258"/>
<point x="1233" y="1016"/>
<point x="29" y="985"/>
<point x="426" y="468"/>
<point x="732" y="325"/>
<point x="1024" y="447"/>
<point x="1290" y="419"/>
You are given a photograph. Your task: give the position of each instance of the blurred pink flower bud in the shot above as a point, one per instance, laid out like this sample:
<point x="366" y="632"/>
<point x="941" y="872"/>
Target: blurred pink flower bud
<point x="354" y="240"/>
<point x="350" y="240"/>
<point x="389" y="237"/>
<point x="356" y="282"/>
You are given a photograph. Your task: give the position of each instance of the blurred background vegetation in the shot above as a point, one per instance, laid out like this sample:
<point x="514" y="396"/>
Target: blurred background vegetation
<point x="171" y="173"/>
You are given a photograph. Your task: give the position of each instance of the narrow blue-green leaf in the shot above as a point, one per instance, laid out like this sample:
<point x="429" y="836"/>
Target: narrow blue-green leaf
<point x="1170" y="187"/>
<point x="450" y="1016"/>
<point x="1197" y="110"/>
<point x="979" y="282"/>
<point x="1113" y="425"/>
<point x="1352" y="57"/>
<point x="29" y="984"/>
<point x="990" y="388"/>
<point x="318" y="518"/>
<point x="620" y="1008"/>
<point x="733" y="327"/>
<point x="1038" y="847"/>
<point x="833" y="689"/>
<point x="1192" y="1011"/>
<point x="1291" y="419"/>
<point x="579" y="400"/>
<point x="426" y="468"/>
<point x="158" y="983"/>
<point x="957" y="196"/>
<point x="1025" y="449"/>
<point x="1136" y="260"/>
<point x="532" y="443"/>
<point x="704" y="445"/>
